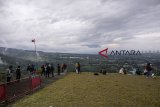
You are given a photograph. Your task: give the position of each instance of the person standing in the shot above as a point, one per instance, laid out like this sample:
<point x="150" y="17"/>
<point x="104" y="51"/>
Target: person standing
<point x="76" y="67"/>
<point x="47" y="70"/>
<point x="33" y="70"/>
<point x="42" y="70"/>
<point x="52" y="70"/>
<point x="62" y="68"/>
<point x="29" y="68"/>
<point x="18" y="73"/>
<point x="65" y="68"/>
<point x="79" y="66"/>
<point x="9" y="73"/>
<point x="58" y="69"/>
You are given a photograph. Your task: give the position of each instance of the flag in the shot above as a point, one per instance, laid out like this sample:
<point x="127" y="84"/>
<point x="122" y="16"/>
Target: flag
<point x="33" y="40"/>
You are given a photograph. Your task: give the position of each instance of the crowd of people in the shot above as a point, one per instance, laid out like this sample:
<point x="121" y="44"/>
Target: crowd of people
<point x="46" y="70"/>
<point x="49" y="69"/>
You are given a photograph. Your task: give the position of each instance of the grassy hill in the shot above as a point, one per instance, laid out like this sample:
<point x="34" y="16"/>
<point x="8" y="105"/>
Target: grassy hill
<point x="88" y="90"/>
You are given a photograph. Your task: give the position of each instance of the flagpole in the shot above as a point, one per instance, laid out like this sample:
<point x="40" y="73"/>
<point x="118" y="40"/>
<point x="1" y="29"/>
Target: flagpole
<point x="36" y="65"/>
<point x="36" y="56"/>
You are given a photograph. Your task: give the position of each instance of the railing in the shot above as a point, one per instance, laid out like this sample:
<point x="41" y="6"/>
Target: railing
<point x="14" y="89"/>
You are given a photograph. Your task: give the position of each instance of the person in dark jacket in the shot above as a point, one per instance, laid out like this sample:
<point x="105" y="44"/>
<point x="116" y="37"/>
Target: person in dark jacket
<point x="52" y="70"/>
<point x="18" y="73"/>
<point x="29" y="68"/>
<point x="42" y="70"/>
<point x="58" y="69"/>
<point x="33" y="70"/>
<point x="79" y="67"/>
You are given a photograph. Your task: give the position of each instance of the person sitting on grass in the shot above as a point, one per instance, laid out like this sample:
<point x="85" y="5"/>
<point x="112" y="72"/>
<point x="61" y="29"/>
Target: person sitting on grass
<point x="149" y="70"/>
<point x="123" y="70"/>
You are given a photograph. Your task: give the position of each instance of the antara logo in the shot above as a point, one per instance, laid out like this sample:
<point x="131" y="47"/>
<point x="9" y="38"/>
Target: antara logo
<point x="105" y="52"/>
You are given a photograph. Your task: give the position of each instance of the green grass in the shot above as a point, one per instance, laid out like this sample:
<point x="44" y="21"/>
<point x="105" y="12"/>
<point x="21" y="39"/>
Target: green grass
<point x="88" y="90"/>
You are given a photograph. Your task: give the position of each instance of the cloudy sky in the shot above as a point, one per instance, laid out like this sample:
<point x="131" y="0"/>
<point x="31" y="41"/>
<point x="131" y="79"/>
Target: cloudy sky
<point x="80" y="26"/>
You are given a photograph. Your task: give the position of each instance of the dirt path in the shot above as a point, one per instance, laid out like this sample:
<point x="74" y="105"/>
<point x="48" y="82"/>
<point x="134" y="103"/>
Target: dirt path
<point x="47" y="81"/>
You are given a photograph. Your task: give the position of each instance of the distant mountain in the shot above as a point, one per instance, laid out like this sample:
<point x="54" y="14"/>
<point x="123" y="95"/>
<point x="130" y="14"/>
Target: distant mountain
<point x="8" y="60"/>
<point x="17" y="53"/>
<point x="40" y="56"/>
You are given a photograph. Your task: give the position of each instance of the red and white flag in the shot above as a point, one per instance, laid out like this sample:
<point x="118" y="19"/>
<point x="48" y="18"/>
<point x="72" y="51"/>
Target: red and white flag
<point x="33" y="40"/>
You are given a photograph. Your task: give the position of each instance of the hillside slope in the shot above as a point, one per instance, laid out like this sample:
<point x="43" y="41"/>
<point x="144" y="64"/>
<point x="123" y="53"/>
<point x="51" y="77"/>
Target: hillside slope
<point x="87" y="90"/>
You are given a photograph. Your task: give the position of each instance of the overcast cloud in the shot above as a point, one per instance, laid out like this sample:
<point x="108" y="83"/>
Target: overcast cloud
<point x="80" y="26"/>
